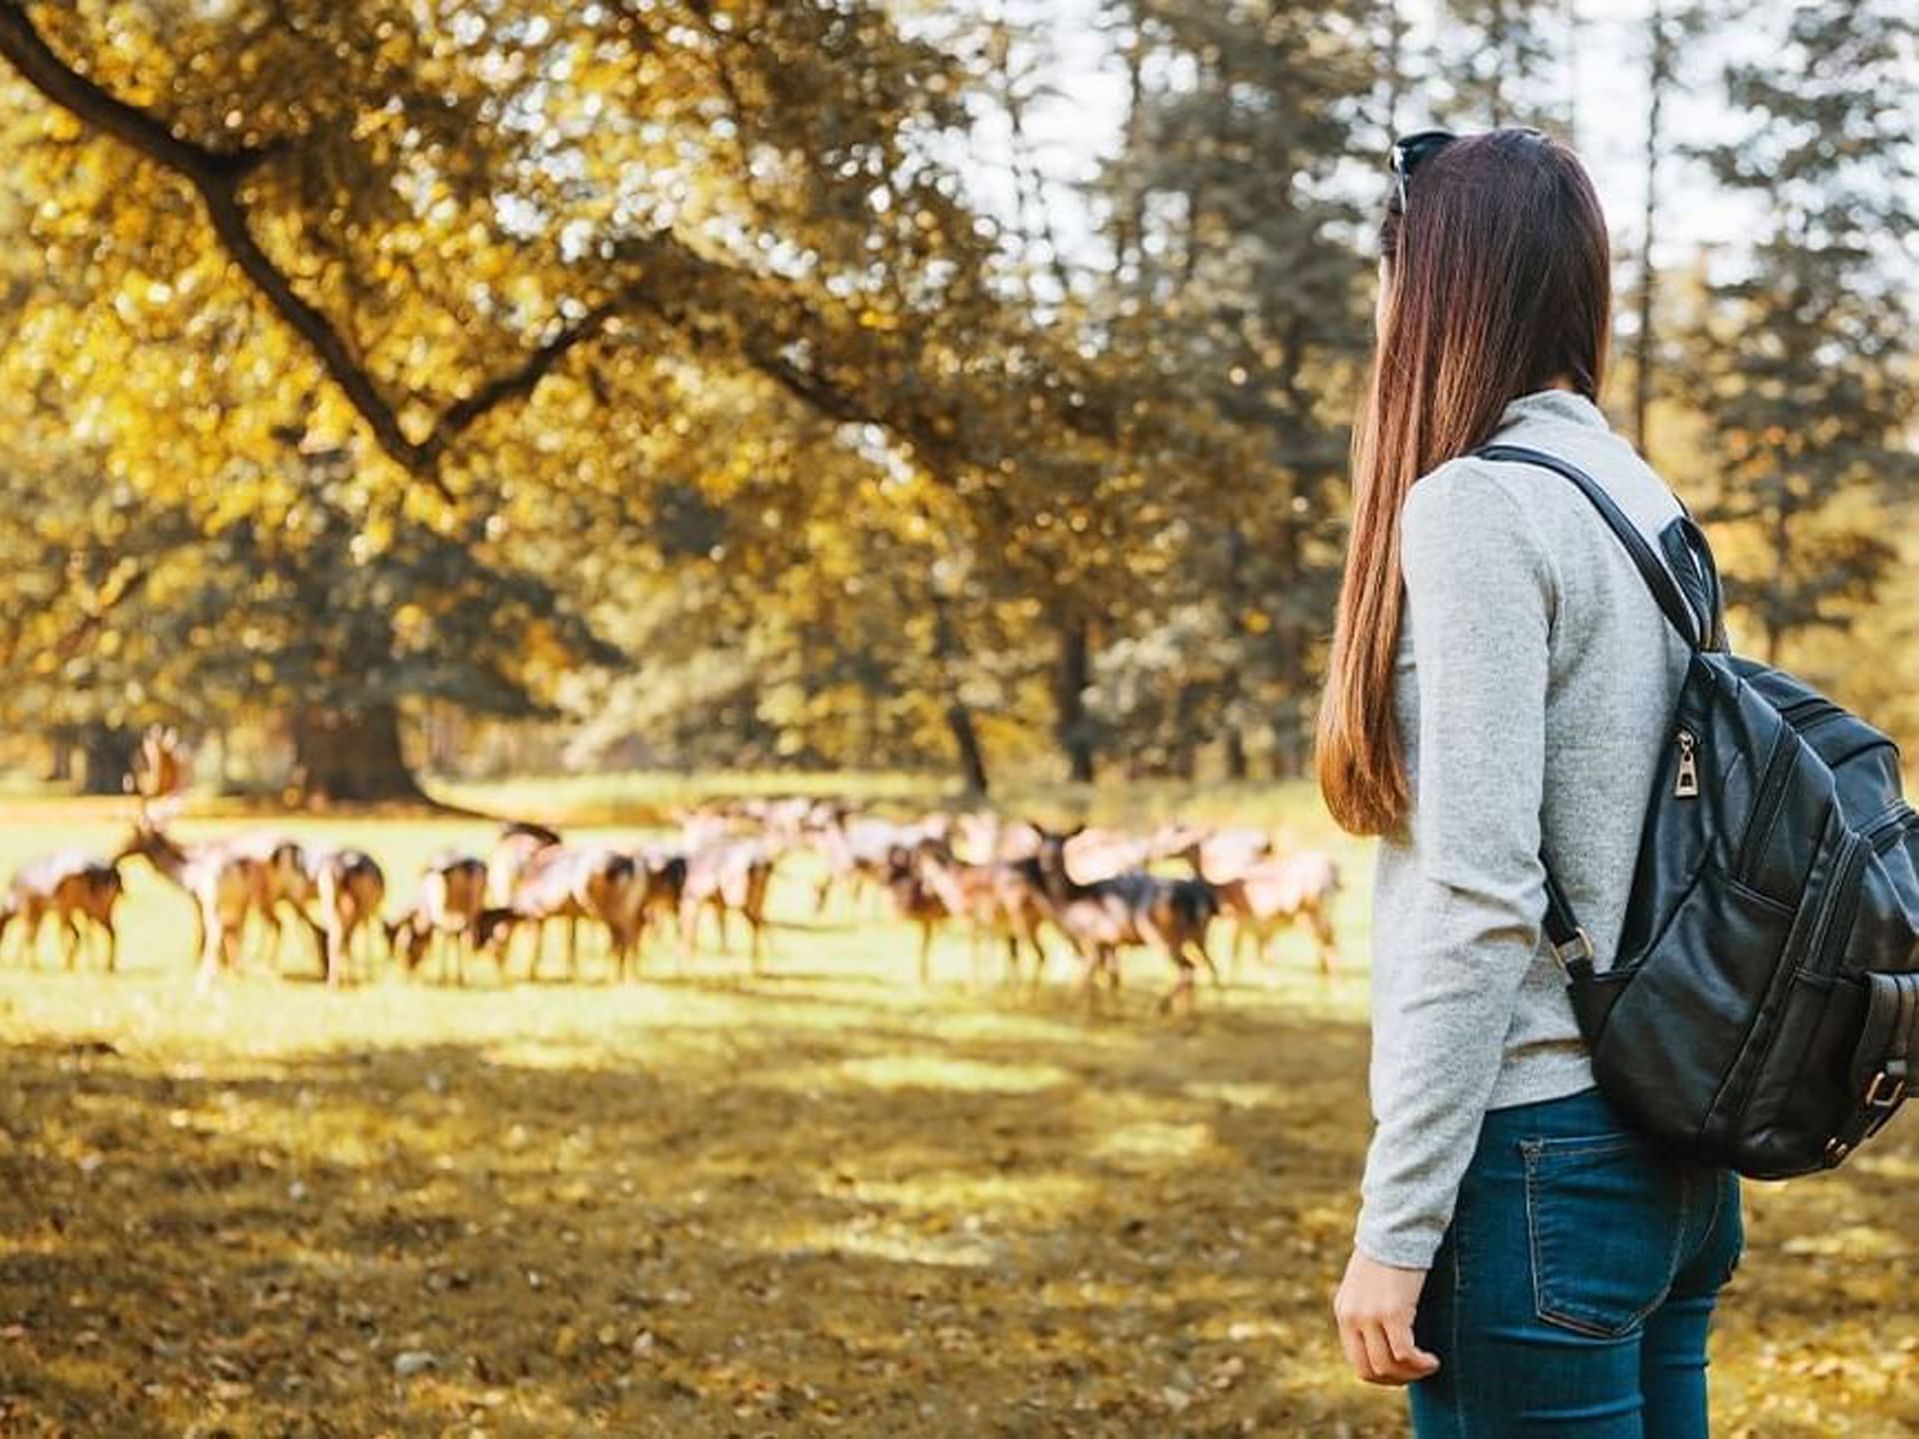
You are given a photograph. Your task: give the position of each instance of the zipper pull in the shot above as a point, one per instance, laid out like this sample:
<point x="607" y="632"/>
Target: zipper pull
<point x="1686" y="785"/>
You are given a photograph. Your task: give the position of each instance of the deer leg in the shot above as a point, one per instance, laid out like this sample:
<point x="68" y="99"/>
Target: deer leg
<point x="336" y="938"/>
<point x="1090" y="958"/>
<point x="70" y="950"/>
<point x="1182" y="987"/>
<point x="1323" y="932"/>
<point x="757" y="942"/>
<point x="689" y="931"/>
<point x="1198" y="945"/>
<point x="1039" y="964"/>
<point x="113" y="944"/>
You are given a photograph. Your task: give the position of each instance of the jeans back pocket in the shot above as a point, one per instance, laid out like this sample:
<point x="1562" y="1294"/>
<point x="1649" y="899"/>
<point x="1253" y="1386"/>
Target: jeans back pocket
<point x="1605" y="1219"/>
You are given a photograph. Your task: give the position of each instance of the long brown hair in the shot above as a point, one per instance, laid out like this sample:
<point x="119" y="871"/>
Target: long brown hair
<point x="1498" y="283"/>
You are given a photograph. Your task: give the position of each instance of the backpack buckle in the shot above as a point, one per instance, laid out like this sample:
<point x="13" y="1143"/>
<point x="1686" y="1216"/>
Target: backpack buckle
<point x="1885" y="1091"/>
<point x="1580" y="946"/>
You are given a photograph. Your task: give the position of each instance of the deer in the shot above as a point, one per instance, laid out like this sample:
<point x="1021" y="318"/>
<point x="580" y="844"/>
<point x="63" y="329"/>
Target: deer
<point x="729" y="875"/>
<point x="348" y="888"/>
<point x="451" y="900"/>
<point x="67" y="888"/>
<point x="1214" y="855"/>
<point x="559" y="881"/>
<point x="284" y="884"/>
<point x="1102" y="916"/>
<point x="857" y="850"/>
<point x="659" y="889"/>
<point x="518" y="842"/>
<point x="917" y="902"/>
<point x="1278" y="891"/>
<point x="223" y="884"/>
<point x="1000" y="898"/>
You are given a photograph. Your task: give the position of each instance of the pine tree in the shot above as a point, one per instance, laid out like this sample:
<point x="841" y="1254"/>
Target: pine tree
<point x="1804" y="373"/>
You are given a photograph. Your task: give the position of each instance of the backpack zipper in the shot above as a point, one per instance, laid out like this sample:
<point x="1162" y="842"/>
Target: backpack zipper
<point x="1766" y="803"/>
<point x="1888" y="825"/>
<point x="1841" y="892"/>
<point x="1686" y="782"/>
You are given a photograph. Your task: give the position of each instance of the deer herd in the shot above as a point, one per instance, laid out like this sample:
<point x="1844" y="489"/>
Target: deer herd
<point x="1008" y="884"/>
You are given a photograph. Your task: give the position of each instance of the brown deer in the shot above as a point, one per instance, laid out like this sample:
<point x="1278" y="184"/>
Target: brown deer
<point x="1136" y="908"/>
<point x="658" y="892"/>
<point x="570" y="883"/>
<point x="917" y="902"/>
<point x="69" y="889"/>
<point x="1214" y="855"/>
<point x="348" y="888"/>
<point x="284" y="885"/>
<point x="1279" y="891"/>
<point x="1000" y="899"/>
<point x="731" y="875"/>
<point x="519" y="841"/>
<point x="858" y="848"/>
<point x="223" y="886"/>
<point x="451" y="900"/>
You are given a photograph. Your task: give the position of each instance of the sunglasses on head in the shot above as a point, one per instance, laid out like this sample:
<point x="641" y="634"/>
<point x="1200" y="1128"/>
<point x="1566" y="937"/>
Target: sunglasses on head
<point x="1409" y="152"/>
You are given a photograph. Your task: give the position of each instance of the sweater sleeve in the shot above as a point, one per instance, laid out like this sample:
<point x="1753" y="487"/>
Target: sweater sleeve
<point x="1480" y="598"/>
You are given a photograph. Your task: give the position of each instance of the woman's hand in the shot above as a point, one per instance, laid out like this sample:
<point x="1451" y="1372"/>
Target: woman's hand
<point x="1374" y="1308"/>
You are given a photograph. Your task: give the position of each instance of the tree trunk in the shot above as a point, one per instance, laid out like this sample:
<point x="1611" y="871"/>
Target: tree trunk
<point x="60" y="757"/>
<point x="972" y="757"/>
<point x="1236" y="767"/>
<point x="108" y="752"/>
<point x="1073" y="726"/>
<point x="1658" y="80"/>
<point x="352" y="756"/>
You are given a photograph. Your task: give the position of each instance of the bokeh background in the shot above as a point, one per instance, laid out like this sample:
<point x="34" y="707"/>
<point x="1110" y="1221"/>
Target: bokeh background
<point x="445" y="410"/>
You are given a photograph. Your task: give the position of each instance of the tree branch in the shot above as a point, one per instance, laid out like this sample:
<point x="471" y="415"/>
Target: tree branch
<point x="216" y="175"/>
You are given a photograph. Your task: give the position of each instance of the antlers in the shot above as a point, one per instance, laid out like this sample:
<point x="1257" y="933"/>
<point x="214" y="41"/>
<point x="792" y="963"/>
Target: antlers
<point x="159" y="773"/>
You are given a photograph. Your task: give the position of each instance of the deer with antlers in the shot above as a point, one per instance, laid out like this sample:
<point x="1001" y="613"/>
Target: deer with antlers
<point x="71" y="889"/>
<point x="223" y="884"/>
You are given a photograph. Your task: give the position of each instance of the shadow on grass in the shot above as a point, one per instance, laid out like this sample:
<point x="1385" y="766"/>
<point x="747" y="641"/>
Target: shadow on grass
<point x="686" y="1229"/>
<point x="731" y="1206"/>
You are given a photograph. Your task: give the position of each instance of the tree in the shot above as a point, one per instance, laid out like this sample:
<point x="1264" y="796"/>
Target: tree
<point x="1802" y="370"/>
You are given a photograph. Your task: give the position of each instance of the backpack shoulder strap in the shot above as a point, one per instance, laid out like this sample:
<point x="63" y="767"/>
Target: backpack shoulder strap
<point x="1665" y="589"/>
<point x="1571" y="946"/>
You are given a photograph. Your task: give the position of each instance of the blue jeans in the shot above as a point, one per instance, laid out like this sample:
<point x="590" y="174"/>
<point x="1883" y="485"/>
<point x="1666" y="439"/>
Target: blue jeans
<point x="1572" y="1292"/>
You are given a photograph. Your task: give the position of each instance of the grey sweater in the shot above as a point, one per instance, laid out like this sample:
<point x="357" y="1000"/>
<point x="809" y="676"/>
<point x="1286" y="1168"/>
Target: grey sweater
<point x="1536" y="680"/>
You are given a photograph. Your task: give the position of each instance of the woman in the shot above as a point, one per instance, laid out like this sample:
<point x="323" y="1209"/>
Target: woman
<point x="1501" y="684"/>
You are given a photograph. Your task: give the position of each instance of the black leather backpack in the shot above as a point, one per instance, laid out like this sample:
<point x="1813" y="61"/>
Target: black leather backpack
<point x="1762" y="1010"/>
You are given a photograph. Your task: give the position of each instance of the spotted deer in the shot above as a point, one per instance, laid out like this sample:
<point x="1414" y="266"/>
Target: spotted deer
<point x="451" y="900"/>
<point x="70" y="889"/>
<point x="1283" y="890"/>
<point x="1103" y="916"/>
<point x="729" y="876"/>
<point x="1000" y="900"/>
<point x="223" y="884"/>
<point x="574" y="883"/>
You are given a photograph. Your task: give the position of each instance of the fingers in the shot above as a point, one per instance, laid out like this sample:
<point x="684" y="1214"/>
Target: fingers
<point x="1408" y="1357"/>
<point x="1383" y="1352"/>
<point x="1374" y="1311"/>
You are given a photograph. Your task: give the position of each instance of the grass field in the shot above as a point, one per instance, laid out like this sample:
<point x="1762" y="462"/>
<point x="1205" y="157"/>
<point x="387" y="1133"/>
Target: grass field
<point x="823" y="1201"/>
